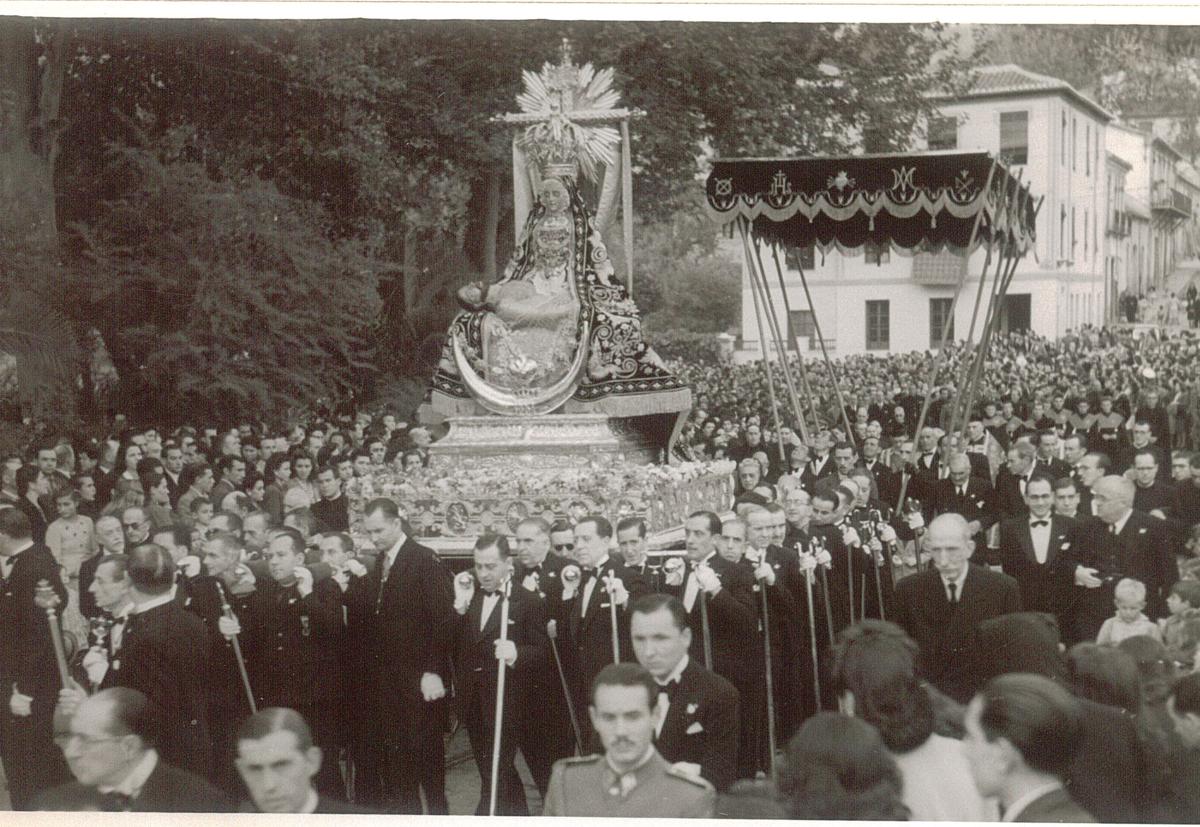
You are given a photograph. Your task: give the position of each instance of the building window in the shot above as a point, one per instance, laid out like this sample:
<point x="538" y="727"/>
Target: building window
<point x="878" y="325"/>
<point x="800" y="326"/>
<point x="1072" y="233"/>
<point x="1062" y="150"/>
<point x="1087" y="151"/>
<point x="1074" y="141"/>
<point x="1062" y="232"/>
<point x="939" y="310"/>
<point x="800" y="258"/>
<point x="877" y="254"/>
<point x="943" y="133"/>
<point x="1014" y="137"/>
<point x="1085" y="235"/>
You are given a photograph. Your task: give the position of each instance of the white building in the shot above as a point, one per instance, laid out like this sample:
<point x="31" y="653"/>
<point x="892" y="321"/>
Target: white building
<point x="878" y="301"/>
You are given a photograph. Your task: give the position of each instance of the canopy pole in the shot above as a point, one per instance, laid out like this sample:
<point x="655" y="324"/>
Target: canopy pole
<point x="787" y="305"/>
<point x="794" y="398"/>
<point x="993" y="315"/>
<point x="963" y="372"/>
<point x="627" y="202"/>
<point x="993" y="322"/>
<point x="825" y="354"/>
<point x="766" y="354"/>
<point x="962" y="412"/>
<point x="941" y="354"/>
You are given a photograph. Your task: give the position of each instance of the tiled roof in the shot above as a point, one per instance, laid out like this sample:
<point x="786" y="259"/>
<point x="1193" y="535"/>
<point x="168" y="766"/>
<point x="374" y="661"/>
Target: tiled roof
<point x="1010" y="79"/>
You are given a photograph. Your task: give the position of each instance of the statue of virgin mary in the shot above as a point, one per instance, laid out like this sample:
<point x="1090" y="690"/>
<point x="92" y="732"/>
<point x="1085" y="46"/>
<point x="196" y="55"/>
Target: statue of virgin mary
<point x="557" y="332"/>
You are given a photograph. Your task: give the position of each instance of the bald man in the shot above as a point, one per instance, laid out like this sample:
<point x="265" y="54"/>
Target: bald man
<point x="941" y="607"/>
<point x="971" y="496"/>
<point x="1118" y="542"/>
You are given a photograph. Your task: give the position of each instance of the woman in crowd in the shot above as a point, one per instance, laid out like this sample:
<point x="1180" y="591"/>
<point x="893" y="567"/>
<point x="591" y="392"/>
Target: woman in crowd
<point x="838" y="768"/>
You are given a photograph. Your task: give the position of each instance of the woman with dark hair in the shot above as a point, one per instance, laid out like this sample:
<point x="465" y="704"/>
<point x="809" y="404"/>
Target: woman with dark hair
<point x="837" y="768"/>
<point x="1104" y="675"/>
<point x="874" y="677"/>
<point x="157" y="499"/>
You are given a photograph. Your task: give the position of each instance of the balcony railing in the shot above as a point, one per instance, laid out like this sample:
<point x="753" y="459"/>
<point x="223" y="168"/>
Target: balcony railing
<point x="1170" y="199"/>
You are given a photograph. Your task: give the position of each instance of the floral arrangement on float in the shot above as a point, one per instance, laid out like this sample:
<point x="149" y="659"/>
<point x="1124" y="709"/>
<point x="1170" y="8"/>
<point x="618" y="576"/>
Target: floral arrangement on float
<point x="471" y="501"/>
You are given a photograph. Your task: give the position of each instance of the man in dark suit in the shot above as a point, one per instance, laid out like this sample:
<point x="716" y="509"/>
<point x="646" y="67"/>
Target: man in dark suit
<point x="631" y="543"/>
<point x="293" y="633"/>
<point x="401" y="618"/>
<point x="110" y="747"/>
<point x="1018" y="470"/>
<point x="698" y="709"/>
<point x="1046" y="459"/>
<point x="968" y="495"/>
<point x="479" y="654"/>
<point x="588" y="605"/>
<point x="941" y="607"/>
<point x="775" y="573"/>
<point x="709" y="585"/>
<point x="28" y="673"/>
<point x="1118" y="542"/>
<point x="821" y="465"/>
<point x="1033" y="550"/>
<point x="278" y="761"/>
<point x="1022" y="732"/>
<point x="1150" y="492"/>
<point x="1091" y="469"/>
<point x="222" y="589"/>
<point x="548" y="736"/>
<point x="163" y="653"/>
<point x="887" y="481"/>
<point x="332" y="511"/>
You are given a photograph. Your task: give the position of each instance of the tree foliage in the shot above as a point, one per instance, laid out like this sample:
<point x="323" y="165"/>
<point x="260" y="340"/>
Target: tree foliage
<point x="259" y="213"/>
<point x="220" y="296"/>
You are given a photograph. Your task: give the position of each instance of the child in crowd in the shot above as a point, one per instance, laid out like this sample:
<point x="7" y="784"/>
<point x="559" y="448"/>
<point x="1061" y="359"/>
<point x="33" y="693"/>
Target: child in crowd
<point x="71" y="539"/>
<point x="1130" y="599"/>
<point x="1181" y="631"/>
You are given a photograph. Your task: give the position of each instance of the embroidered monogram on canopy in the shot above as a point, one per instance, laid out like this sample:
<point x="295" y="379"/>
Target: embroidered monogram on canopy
<point x="911" y="202"/>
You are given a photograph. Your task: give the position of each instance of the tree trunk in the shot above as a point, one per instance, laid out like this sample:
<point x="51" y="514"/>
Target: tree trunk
<point x="491" y="223"/>
<point x="30" y="93"/>
<point x="412" y="278"/>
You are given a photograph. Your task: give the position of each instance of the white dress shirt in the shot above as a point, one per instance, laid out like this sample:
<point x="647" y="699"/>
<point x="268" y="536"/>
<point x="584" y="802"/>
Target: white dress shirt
<point x="1041" y="537"/>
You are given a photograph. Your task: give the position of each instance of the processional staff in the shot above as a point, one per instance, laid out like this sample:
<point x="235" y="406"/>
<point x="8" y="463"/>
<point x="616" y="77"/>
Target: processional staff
<point x="46" y="598"/>
<point x="501" y="671"/>
<point x="552" y="633"/>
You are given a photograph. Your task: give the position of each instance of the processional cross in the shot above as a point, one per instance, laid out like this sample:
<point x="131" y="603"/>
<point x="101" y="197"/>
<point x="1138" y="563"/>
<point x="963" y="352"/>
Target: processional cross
<point x="569" y="116"/>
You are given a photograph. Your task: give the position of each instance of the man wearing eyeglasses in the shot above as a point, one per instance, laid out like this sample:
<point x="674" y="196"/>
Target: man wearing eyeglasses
<point x="110" y="748"/>
<point x="562" y="540"/>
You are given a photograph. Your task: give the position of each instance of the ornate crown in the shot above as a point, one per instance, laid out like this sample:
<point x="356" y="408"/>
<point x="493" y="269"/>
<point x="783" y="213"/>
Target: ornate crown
<point x="568" y="108"/>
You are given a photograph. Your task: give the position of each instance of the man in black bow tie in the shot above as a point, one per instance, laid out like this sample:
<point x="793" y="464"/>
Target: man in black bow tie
<point x="1033" y="549"/>
<point x="588" y="605"/>
<point x="697" y="727"/>
<point x="479" y="648"/>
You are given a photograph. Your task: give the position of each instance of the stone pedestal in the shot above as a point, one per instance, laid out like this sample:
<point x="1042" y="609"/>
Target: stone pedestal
<point x="554" y="441"/>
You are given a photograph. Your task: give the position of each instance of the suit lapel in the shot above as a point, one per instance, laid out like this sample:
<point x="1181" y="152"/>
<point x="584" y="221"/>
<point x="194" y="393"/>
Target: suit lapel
<point x="1058" y="535"/>
<point x="1026" y="537"/>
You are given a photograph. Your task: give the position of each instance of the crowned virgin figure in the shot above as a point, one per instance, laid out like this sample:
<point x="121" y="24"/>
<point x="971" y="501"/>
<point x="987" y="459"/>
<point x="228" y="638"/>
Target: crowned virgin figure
<point x="557" y="332"/>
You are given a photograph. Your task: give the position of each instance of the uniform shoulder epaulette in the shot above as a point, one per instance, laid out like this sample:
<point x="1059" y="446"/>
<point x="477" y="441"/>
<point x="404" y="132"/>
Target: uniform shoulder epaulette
<point x="581" y="759"/>
<point x="687" y="776"/>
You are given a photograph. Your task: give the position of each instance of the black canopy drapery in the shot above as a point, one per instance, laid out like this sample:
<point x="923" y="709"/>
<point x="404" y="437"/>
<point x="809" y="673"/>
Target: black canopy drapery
<point x="910" y="202"/>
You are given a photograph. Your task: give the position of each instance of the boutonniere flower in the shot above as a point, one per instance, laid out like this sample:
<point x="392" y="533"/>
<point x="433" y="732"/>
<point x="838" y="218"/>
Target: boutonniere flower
<point x="1141" y="531"/>
<point x="691" y="709"/>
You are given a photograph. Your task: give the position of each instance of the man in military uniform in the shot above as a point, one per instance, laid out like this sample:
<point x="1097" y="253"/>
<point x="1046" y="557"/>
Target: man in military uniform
<point x="631" y="778"/>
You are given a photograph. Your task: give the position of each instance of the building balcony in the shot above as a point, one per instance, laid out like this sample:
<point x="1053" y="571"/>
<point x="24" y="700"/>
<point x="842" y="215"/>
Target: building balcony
<point x="1170" y="200"/>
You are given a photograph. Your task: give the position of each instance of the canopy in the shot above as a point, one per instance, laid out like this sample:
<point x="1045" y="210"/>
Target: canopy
<point x="910" y="202"/>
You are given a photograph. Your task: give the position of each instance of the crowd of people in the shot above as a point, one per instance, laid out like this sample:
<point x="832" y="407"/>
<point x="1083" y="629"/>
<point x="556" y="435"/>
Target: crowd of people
<point x="1029" y="381"/>
<point x="997" y="620"/>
